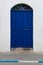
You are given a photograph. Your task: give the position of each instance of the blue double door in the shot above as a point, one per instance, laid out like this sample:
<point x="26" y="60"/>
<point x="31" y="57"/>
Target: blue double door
<point x="21" y="29"/>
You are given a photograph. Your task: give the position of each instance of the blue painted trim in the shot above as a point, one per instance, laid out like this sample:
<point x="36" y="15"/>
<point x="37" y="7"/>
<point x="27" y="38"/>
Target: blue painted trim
<point x="9" y="61"/>
<point x="40" y="61"/>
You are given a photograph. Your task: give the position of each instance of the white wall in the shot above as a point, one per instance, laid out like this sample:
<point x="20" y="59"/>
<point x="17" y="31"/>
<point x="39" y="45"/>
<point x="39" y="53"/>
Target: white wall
<point x="5" y="6"/>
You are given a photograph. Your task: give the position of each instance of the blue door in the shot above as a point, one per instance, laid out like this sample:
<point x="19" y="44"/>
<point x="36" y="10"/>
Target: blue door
<point x="22" y="29"/>
<point x="22" y="26"/>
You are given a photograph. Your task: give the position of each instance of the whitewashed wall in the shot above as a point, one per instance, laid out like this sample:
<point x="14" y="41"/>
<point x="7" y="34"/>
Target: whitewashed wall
<point x="5" y="6"/>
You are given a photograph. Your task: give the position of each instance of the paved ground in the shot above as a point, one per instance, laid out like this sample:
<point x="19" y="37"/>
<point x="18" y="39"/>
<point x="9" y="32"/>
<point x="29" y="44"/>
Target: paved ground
<point x="21" y="55"/>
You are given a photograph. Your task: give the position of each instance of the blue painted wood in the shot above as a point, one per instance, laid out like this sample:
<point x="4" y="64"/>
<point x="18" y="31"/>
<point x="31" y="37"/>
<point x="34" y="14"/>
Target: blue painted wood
<point x="21" y="29"/>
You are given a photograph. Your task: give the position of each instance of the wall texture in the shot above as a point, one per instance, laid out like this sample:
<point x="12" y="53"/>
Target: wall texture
<point x="5" y="6"/>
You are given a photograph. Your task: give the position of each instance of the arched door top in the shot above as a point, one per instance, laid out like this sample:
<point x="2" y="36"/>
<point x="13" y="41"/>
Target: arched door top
<point x="21" y="6"/>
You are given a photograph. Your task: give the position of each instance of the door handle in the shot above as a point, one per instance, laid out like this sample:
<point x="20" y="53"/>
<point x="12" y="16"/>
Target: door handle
<point x="26" y="29"/>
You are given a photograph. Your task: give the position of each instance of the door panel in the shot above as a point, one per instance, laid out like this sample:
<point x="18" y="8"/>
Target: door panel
<point x="28" y="38"/>
<point x="28" y="25"/>
<point x="17" y="28"/>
